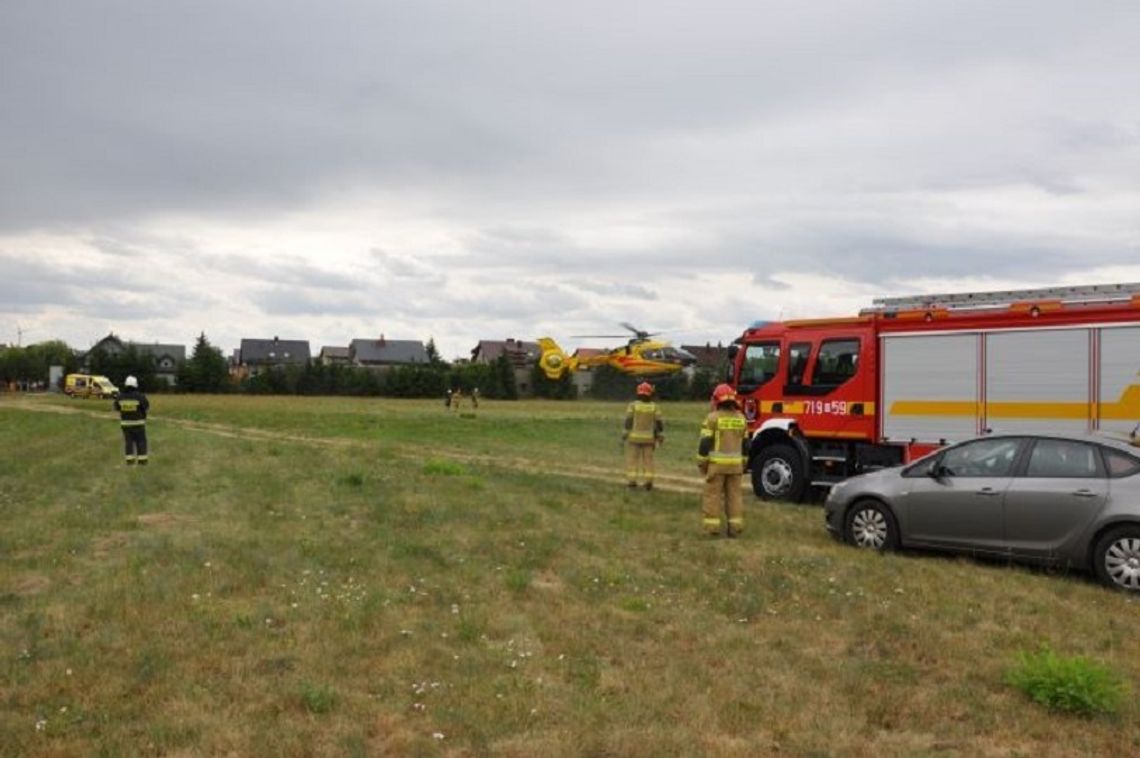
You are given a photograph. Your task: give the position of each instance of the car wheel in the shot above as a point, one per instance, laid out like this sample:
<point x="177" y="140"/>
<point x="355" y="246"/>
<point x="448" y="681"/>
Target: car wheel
<point x="871" y="525"/>
<point x="778" y="474"/>
<point x="1116" y="559"/>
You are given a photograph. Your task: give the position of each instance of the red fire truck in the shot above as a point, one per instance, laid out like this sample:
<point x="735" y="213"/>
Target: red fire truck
<point x="830" y="398"/>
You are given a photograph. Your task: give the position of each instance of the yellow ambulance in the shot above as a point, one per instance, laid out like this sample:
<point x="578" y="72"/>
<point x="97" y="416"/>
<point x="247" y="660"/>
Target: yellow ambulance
<point x="89" y="385"/>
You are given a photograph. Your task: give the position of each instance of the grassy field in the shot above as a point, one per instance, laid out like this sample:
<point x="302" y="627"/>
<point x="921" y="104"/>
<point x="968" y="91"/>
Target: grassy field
<point x="377" y="577"/>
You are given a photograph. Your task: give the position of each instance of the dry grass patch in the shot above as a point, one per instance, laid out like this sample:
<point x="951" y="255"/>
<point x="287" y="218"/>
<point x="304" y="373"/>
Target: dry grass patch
<point x="30" y="584"/>
<point x="263" y="592"/>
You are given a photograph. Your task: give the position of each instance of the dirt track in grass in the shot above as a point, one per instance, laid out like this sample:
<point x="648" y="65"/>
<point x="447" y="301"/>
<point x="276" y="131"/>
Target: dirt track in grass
<point x="665" y="482"/>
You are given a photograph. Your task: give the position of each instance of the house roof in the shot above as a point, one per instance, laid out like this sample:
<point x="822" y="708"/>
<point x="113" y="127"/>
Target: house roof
<point x="114" y="344"/>
<point x="158" y="350"/>
<point x="518" y="352"/>
<point x="387" y="351"/>
<point x="334" y="352"/>
<point x="708" y="355"/>
<point x="110" y="342"/>
<point x="274" y="351"/>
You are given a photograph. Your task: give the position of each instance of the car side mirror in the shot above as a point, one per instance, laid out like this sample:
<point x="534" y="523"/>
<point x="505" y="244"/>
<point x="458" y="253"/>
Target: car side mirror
<point x="937" y="471"/>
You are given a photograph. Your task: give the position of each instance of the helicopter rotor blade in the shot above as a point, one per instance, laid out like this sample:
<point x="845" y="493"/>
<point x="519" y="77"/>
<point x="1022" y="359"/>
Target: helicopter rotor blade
<point x="640" y="333"/>
<point x="597" y="336"/>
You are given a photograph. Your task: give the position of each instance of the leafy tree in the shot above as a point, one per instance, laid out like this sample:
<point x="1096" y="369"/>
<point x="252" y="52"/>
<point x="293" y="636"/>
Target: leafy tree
<point x="702" y="384"/>
<point x="415" y="381"/>
<point x="611" y="384"/>
<point x="33" y="363"/>
<point x="117" y="366"/>
<point x="434" y="358"/>
<point x="505" y="379"/>
<point x="206" y="371"/>
<point x="555" y="389"/>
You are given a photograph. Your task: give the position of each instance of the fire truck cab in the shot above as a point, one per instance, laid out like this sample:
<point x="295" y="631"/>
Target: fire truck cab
<point x="830" y="398"/>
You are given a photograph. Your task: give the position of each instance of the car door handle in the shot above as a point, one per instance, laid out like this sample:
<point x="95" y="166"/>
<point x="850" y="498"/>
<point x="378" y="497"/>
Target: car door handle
<point x="1085" y="493"/>
<point x="988" y="492"/>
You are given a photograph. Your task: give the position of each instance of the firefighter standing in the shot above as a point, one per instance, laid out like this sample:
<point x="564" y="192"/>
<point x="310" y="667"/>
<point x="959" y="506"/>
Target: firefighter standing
<point x="721" y="455"/>
<point x="644" y="431"/>
<point x="132" y="406"/>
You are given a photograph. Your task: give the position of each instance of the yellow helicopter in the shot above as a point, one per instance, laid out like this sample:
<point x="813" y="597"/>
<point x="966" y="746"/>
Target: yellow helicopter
<point x="640" y="356"/>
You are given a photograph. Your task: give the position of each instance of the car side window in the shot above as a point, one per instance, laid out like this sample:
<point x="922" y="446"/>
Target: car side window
<point x="1063" y="459"/>
<point x="988" y="457"/>
<point x="1120" y="464"/>
<point x="923" y="467"/>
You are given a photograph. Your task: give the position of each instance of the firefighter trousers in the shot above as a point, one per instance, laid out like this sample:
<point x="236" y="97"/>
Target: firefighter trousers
<point x="722" y="498"/>
<point x="639" y="461"/>
<point x="134" y="443"/>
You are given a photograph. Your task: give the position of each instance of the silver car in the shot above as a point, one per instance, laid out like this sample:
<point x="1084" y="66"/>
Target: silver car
<point x="1069" y="500"/>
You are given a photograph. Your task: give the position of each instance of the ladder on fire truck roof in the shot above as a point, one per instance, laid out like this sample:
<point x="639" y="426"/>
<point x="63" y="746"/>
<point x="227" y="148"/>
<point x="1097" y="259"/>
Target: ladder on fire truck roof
<point x="1094" y="293"/>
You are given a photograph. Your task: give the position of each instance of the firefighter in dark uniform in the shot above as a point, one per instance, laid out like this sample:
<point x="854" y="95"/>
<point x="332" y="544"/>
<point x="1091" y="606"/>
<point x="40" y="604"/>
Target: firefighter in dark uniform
<point x="721" y="454"/>
<point x="643" y="432"/>
<point x="132" y="406"/>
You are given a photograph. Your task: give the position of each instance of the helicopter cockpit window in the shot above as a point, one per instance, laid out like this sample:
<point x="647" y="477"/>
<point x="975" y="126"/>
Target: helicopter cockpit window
<point x="676" y="355"/>
<point x="652" y="355"/>
<point x="759" y="365"/>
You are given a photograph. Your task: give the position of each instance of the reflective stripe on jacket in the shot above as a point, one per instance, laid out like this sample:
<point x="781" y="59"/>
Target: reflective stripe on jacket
<point x="723" y="436"/>
<point x="643" y="422"/>
<point x="132" y="406"/>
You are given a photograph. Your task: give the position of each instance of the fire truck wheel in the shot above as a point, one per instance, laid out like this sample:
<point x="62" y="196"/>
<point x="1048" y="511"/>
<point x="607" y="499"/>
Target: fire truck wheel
<point x="1116" y="559"/>
<point x="871" y="524"/>
<point x="778" y="474"/>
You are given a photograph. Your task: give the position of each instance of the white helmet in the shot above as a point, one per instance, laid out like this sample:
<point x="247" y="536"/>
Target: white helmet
<point x="131" y="382"/>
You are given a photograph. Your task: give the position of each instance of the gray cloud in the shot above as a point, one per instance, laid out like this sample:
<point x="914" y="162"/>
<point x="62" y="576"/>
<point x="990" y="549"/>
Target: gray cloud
<point x="294" y="301"/>
<point x="282" y="270"/>
<point x="204" y="106"/>
<point x="558" y="167"/>
<point x="405" y="267"/>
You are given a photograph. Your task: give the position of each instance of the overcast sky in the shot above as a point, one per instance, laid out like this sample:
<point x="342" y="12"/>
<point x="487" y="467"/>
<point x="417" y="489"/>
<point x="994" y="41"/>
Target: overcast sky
<point x="483" y="170"/>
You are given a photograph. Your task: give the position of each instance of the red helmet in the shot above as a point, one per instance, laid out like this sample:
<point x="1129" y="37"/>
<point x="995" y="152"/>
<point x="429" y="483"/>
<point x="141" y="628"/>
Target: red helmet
<point x="723" y="394"/>
<point x="645" y="388"/>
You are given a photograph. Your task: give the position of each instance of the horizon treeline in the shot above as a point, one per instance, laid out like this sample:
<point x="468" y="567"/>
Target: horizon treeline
<point x="208" y="371"/>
